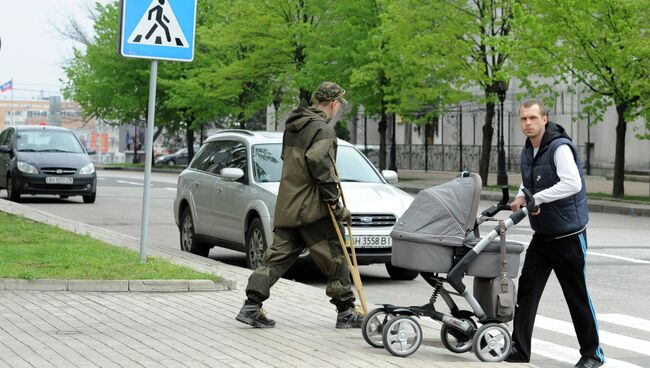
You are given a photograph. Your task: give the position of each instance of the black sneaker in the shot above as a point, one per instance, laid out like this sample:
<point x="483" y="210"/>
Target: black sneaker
<point x="254" y="315"/>
<point x="587" y="362"/>
<point x="349" y="318"/>
<point x="515" y="356"/>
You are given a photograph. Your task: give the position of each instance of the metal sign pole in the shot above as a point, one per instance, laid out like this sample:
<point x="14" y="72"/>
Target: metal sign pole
<point x="151" y="112"/>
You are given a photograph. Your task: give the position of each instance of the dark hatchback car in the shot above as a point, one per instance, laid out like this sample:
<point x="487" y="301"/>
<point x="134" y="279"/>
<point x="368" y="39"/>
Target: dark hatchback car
<point x="45" y="160"/>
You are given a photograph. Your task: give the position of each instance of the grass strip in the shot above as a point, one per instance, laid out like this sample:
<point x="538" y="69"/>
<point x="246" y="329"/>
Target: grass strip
<point x="31" y="250"/>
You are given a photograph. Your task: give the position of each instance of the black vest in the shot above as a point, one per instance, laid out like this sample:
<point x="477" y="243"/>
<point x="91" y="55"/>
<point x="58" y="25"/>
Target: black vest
<point x="564" y="216"/>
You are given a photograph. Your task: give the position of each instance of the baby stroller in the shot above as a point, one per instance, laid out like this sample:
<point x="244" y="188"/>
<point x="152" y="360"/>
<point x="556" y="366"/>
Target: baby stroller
<point x="438" y="234"/>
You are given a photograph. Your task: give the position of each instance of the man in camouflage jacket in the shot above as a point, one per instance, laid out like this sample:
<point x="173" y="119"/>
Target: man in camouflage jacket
<point x="307" y="188"/>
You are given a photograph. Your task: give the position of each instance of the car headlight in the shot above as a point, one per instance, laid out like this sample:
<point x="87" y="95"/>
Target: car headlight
<point x="26" y="168"/>
<point x="88" y="169"/>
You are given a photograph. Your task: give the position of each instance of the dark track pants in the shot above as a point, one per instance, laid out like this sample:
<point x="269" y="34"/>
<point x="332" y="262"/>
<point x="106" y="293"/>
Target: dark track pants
<point x="288" y="243"/>
<point x="567" y="257"/>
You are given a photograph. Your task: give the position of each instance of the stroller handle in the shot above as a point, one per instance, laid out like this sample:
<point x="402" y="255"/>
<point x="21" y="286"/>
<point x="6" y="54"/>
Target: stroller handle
<point x="501" y="206"/>
<point x="516" y="217"/>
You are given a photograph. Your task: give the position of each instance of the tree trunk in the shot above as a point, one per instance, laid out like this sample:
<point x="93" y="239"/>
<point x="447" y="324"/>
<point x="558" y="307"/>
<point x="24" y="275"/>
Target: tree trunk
<point x="189" y="140"/>
<point x="619" y="159"/>
<point x="242" y="122"/>
<point x="488" y="131"/>
<point x="382" y="137"/>
<point x="305" y="96"/>
<point x="155" y="136"/>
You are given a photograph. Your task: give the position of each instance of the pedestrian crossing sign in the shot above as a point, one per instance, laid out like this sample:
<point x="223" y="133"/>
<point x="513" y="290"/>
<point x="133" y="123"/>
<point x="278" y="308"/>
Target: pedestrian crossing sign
<point x="157" y="29"/>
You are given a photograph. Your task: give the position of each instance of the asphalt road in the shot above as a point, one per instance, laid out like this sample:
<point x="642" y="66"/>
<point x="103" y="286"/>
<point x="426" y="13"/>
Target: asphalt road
<point x="618" y="265"/>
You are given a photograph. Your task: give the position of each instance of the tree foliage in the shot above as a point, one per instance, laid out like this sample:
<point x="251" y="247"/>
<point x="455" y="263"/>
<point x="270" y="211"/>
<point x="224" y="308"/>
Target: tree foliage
<point x="602" y="44"/>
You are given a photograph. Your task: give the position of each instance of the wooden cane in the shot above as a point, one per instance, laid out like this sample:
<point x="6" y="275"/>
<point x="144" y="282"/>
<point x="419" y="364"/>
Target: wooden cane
<point x="354" y="266"/>
<point x="354" y="270"/>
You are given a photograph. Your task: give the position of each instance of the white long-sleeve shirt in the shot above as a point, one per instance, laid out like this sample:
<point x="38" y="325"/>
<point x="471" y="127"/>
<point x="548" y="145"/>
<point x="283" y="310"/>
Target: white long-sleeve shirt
<point x="567" y="171"/>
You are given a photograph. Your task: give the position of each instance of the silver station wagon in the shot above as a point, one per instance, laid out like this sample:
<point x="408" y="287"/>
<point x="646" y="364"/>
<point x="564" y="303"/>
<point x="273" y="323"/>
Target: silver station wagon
<point x="227" y="195"/>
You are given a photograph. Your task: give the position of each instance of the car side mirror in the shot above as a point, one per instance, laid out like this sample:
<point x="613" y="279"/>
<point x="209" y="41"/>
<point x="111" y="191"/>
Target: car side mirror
<point x="5" y="149"/>
<point x="91" y="151"/>
<point x="390" y="176"/>
<point x="231" y="173"/>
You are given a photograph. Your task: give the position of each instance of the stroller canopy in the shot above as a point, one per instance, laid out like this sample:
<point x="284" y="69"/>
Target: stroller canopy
<point x="443" y="215"/>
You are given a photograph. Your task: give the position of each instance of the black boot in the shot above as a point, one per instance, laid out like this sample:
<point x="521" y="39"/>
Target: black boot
<point x="349" y="318"/>
<point x="254" y="315"/>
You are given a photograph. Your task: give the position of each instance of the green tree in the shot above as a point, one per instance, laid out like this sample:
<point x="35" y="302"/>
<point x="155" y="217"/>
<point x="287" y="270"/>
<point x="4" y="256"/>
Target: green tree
<point x="462" y="44"/>
<point x="603" y="44"/>
<point x="107" y="85"/>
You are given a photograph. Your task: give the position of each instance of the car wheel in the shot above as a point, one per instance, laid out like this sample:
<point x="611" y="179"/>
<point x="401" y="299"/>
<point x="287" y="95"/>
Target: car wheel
<point x="399" y="273"/>
<point x="189" y="241"/>
<point x="255" y="244"/>
<point x="171" y="162"/>
<point x="88" y="198"/>
<point x="12" y="193"/>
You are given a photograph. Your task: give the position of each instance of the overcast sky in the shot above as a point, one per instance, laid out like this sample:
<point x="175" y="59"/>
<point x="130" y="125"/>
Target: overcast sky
<point x="32" y="52"/>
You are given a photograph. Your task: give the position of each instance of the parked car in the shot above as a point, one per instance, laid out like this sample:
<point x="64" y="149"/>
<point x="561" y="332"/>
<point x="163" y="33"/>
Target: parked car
<point x="45" y="160"/>
<point x="179" y="157"/>
<point x="226" y="197"/>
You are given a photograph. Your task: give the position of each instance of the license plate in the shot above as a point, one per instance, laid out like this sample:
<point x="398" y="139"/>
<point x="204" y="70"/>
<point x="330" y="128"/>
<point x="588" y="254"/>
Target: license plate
<point x="371" y="241"/>
<point x="58" y="180"/>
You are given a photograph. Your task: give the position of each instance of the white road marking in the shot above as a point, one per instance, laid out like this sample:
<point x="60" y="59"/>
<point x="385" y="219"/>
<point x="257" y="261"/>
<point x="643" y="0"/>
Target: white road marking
<point x="590" y="253"/>
<point x="606" y="338"/>
<point x="568" y="355"/>
<point x="625" y="320"/>
<point x="174" y="189"/>
<point x="633" y="260"/>
<point x="130" y="182"/>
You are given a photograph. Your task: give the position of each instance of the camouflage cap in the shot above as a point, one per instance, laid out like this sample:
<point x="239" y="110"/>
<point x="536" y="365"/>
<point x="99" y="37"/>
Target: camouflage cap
<point x="329" y="91"/>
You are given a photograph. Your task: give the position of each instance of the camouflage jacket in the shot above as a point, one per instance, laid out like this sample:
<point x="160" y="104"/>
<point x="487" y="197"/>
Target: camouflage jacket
<point x="308" y="181"/>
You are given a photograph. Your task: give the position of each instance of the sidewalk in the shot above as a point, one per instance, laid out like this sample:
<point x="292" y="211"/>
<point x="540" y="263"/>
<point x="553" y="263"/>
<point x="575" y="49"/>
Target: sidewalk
<point x="188" y="329"/>
<point x="413" y="181"/>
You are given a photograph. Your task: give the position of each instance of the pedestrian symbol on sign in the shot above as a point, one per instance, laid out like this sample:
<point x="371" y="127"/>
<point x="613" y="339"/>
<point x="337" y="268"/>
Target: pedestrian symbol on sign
<point x="158" y="26"/>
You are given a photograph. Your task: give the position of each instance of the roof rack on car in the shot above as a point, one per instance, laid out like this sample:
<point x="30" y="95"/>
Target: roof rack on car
<point x="243" y="131"/>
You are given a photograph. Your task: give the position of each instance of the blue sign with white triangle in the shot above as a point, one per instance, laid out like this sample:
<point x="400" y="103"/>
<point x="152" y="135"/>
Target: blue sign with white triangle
<point x="158" y="29"/>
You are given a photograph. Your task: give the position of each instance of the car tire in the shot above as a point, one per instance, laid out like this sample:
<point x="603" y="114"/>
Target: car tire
<point x="171" y="162"/>
<point x="189" y="241"/>
<point x="256" y="244"/>
<point x="12" y="194"/>
<point x="88" y="198"/>
<point x="399" y="273"/>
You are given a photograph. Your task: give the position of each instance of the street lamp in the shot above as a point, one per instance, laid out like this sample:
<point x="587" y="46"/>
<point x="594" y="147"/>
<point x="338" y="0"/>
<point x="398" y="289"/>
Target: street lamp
<point x="502" y="175"/>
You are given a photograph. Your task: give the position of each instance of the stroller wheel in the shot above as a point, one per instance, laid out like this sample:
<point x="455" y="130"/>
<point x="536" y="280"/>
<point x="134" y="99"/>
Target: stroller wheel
<point x="492" y="343"/>
<point x="455" y="340"/>
<point x="373" y="326"/>
<point x="402" y="336"/>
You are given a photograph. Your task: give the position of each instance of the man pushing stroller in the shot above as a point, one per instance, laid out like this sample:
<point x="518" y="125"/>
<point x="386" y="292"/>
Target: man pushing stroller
<point x="551" y="170"/>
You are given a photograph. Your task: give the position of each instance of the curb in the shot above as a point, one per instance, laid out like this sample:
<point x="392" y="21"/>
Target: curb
<point x="113" y="285"/>
<point x="594" y="205"/>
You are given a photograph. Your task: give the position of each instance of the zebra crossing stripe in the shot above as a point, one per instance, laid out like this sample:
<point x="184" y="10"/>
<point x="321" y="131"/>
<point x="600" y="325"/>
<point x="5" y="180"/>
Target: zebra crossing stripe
<point x="627" y="321"/>
<point x="640" y="261"/>
<point x="569" y="355"/>
<point x="606" y="338"/>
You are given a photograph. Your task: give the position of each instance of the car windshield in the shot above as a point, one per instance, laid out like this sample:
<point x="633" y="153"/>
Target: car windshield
<point x="352" y="165"/>
<point x="42" y="140"/>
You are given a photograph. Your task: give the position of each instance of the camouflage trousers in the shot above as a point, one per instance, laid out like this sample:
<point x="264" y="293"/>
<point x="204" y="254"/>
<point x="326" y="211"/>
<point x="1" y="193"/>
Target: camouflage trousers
<point x="288" y="243"/>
